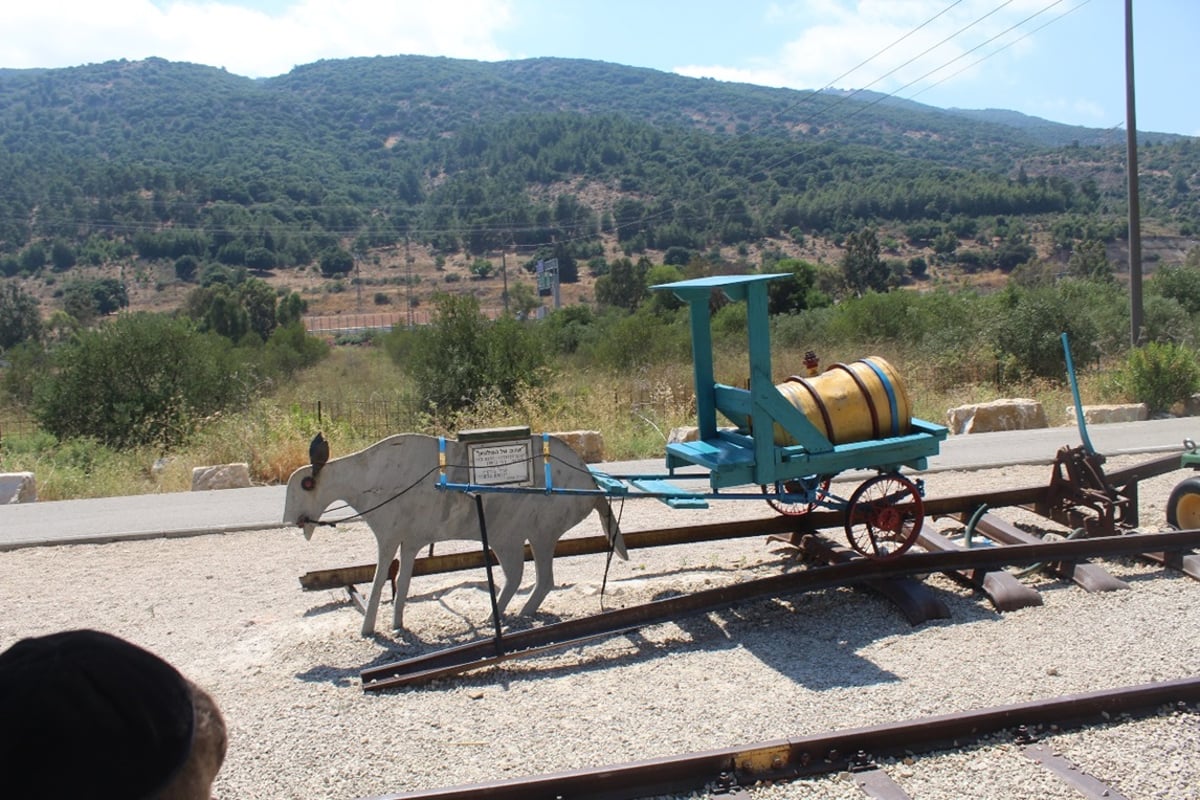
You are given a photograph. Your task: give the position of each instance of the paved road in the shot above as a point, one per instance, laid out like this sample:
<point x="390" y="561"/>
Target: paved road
<point x="195" y="513"/>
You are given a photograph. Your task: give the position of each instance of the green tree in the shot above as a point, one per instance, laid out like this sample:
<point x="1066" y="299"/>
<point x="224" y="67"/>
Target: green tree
<point x="336" y="261"/>
<point x="85" y="299"/>
<point x="20" y="319"/>
<point x="1089" y="260"/>
<point x="258" y="299"/>
<point x="658" y="275"/>
<point x="28" y="364"/>
<point x="461" y="356"/>
<point x="143" y="379"/>
<point x="522" y="300"/>
<point x="797" y="292"/>
<point x="226" y="316"/>
<point x="291" y="308"/>
<point x="291" y="349"/>
<point x="862" y="268"/>
<point x="624" y="286"/>
<point x="186" y="268"/>
<point x="33" y="257"/>
<point x="1026" y="331"/>
<point x="62" y="255"/>
<point x="1181" y="284"/>
<point x="945" y="243"/>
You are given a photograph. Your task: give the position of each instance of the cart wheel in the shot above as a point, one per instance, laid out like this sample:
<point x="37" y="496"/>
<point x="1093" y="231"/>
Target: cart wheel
<point x="884" y="516"/>
<point x="1183" y="509"/>
<point x="814" y="487"/>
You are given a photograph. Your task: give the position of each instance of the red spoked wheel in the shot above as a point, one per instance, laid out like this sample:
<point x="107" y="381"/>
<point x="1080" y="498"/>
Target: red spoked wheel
<point x="813" y="487"/>
<point x="884" y="516"/>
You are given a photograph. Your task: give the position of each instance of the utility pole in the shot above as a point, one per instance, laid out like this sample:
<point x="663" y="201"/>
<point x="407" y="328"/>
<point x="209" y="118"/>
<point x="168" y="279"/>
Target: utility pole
<point x="504" y="274"/>
<point x="408" y="284"/>
<point x="358" y="277"/>
<point x="1135" y="211"/>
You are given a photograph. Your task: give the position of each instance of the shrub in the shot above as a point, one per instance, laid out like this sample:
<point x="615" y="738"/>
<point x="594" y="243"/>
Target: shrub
<point x="461" y="356"/>
<point x="336" y="261"/>
<point x="627" y="342"/>
<point x="1178" y="283"/>
<point x="1161" y="374"/>
<point x="1027" y="329"/>
<point x="143" y="379"/>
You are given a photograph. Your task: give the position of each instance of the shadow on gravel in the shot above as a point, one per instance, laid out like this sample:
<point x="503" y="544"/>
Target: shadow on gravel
<point x="348" y="676"/>
<point x="325" y="608"/>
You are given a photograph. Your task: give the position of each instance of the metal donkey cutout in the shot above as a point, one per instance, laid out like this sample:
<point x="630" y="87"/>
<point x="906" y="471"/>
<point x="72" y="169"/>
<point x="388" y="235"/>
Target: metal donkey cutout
<point x="393" y="486"/>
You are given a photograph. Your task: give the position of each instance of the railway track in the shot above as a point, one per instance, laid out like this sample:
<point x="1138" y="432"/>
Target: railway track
<point x="871" y="757"/>
<point x="1101" y="508"/>
<point x="894" y="760"/>
<point x="530" y="642"/>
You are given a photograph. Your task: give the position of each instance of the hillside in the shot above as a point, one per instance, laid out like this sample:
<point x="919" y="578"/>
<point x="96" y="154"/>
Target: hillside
<point x="427" y="169"/>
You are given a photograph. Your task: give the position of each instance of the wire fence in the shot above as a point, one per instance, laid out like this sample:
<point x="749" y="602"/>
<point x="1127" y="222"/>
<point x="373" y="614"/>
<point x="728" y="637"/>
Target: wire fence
<point x="375" y="418"/>
<point x="16" y="427"/>
<point x="352" y="323"/>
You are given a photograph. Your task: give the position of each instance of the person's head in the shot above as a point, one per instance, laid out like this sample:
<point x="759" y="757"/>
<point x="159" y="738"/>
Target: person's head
<point x="86" y="714"/>
<point x="195" y="778"/>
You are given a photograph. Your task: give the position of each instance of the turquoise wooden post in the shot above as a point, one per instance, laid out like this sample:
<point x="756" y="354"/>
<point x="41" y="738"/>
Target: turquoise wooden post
<point x="762" y="383"/>
<point x="696" y="294"/>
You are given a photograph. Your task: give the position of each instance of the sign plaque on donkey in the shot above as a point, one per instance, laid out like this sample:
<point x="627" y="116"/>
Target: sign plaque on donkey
<point x="393" y="487"/>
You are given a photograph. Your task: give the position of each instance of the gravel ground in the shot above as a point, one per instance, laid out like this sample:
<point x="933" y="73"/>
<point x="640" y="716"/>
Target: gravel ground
<point x="283" y="663"/>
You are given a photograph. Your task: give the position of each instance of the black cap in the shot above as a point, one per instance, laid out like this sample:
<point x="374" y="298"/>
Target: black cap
<point x="86" y="714"/>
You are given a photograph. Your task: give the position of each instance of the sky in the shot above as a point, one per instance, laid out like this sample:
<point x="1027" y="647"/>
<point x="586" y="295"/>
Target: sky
<point x="1062" y="60"/>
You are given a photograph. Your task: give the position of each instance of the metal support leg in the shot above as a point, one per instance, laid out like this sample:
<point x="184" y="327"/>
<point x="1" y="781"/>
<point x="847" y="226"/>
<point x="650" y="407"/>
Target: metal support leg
<point x="487" y="561"/>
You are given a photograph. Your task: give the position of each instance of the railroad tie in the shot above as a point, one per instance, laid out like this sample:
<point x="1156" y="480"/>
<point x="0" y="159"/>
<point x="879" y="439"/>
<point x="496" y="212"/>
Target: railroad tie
<point x="1092" y="577"/>
<point x="1002" y="587"/>
<point x="1077" y="779"/>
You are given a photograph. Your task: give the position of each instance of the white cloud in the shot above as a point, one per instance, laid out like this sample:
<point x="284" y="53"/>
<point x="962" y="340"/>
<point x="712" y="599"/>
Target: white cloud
<point x="884" y="45"/>
<point x="244" y="40"/>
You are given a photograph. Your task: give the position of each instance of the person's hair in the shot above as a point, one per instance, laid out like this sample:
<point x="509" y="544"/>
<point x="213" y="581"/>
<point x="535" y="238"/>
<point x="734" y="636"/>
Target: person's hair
<point x="209" y="742"/>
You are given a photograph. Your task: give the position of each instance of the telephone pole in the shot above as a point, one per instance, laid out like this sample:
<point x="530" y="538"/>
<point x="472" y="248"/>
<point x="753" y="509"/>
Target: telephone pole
<point x="1135" y="211"/>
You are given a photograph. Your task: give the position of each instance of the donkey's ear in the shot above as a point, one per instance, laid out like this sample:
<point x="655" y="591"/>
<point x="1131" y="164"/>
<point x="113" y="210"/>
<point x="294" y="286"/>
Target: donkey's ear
<point x="318" y="452"/>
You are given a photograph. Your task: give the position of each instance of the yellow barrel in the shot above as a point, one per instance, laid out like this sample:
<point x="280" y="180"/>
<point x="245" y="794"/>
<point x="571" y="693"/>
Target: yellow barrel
<point x="853" y="402"/>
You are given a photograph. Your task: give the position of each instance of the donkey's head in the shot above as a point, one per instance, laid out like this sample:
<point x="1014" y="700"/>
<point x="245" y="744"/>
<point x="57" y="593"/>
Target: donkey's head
<point x="303" y="506"/>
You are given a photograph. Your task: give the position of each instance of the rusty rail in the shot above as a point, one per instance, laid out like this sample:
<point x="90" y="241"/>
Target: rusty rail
<point x="1044" y="500"/>
<point x="806" y="756"/>
<point x="523" y="643"/>
<point x="582" y="545"/>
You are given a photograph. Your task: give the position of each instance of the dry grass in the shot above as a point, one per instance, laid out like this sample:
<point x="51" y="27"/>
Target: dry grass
<point x="634" y="412"/>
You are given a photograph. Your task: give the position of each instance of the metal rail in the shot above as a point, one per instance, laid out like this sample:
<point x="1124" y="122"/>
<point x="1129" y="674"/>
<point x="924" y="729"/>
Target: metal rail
<point x="806" y="756"/>
<point x="1034" y="497"/>
<point x="584" y="545"/>
<point x="519" y="644"/>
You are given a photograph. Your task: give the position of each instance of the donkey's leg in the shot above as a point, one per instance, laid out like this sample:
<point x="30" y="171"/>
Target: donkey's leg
<point x="408" y="554"/>
<point x="512" y="564"/>
<point x="386" y="551"/>
<point x="382" y="564"/>
<point x="543" y="562"/>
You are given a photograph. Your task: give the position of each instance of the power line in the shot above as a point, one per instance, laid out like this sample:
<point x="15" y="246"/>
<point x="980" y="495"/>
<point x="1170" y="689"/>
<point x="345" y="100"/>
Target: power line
<point x="999" y="50"/>
<point x="956" y="58"/>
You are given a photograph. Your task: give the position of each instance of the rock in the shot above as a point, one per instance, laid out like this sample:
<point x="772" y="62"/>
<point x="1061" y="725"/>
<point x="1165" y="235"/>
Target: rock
<point x="17" y="487"/>
<point x="1015" y="414"/>
<point x="588" y="444"/>
<point x="1122" y="412"/>
<point x="687" y="433"/>
<point x="1191" y="406"/>
<point x="222" y="476"/>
